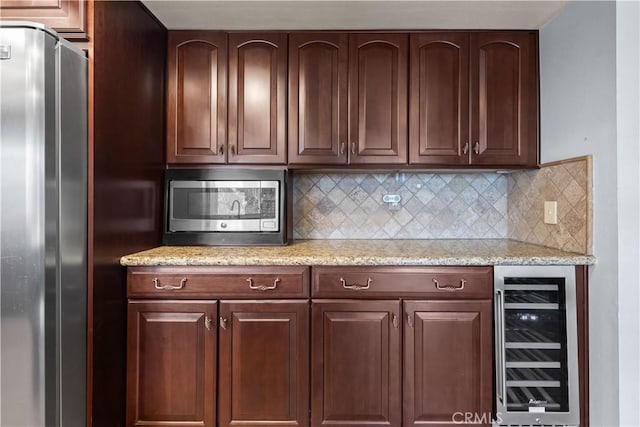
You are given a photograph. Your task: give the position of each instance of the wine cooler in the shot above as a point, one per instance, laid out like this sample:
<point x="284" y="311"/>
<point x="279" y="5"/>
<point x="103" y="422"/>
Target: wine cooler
<point x="536" y="345"/>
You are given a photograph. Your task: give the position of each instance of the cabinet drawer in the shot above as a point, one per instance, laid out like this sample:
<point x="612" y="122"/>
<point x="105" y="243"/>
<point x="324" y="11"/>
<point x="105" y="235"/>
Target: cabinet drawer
<point x="218" y="282"/>
<point x="391" y="282"/>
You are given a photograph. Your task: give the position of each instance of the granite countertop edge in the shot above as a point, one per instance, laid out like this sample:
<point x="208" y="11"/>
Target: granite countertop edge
<point x="319" y="255"/>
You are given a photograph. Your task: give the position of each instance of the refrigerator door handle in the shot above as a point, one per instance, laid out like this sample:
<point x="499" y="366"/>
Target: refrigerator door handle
<point x="500" y="374"/>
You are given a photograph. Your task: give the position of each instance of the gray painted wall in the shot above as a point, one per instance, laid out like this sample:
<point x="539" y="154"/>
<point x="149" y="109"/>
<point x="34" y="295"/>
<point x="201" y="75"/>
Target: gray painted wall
<point x="628" y="115"/>
<point x="578" y="117"/>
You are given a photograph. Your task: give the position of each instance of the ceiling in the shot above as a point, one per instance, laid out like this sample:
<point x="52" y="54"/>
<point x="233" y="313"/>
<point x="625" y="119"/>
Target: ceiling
<point x="353" y="15"/>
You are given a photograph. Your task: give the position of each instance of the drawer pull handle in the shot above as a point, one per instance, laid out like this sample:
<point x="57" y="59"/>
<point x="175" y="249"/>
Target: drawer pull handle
<point x="356" y="286"/>
<point x="450" y="287"/>
<point x="158" y="286"/>
<point x="263" y="287"/>
<point x="223" y="322"/>
<point x="207" y="322"/>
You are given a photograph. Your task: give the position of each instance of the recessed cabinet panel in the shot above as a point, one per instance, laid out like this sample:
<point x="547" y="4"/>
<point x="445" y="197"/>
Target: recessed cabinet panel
<point x="318" y="98"/>
<point x="196" y="97"/>
<point x="65" y="16"/>
<point x="264" y="349"/>
<point x="504" y="100"/>
<point x="378" y="98"/>
<point x="257" y="101"/>
<point x="439" y="98"/>
<point x="356" y="363"/>
<point x="454" y="375"/>
<point x="171" y="364"/>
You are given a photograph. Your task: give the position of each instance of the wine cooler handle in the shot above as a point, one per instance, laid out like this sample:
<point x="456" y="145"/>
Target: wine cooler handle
<point x="501" y="386"/>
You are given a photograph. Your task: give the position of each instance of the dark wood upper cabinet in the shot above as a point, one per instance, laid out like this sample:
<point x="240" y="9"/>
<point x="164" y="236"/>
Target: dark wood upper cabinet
<point x="355" y="363"/>
<point x="318" y="98"/>
<point x="196" y="97"/>
<point x="439" y="98"/>
<point x="504" y="98"/>
<point x="378" y="98"/>
<point x="171" y="364"/>
<point x="447" y="361"/>
<point x="68" y="17"/>
<point x="264" y="363"/>
<point x="257" y="98"/>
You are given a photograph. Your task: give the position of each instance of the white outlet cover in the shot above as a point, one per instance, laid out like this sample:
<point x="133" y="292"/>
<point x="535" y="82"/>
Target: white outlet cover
<point x="550" y="212"/>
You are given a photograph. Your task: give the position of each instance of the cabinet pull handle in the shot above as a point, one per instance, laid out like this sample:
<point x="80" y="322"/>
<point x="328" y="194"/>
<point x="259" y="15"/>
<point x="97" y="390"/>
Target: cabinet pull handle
<point x="222" y="149"/>
<point x="158" y="286"/>
<point x="476" y="147"/>
<point x="342" y="147"/>
<point x="223" y="322"/>
<point x="394" y="320"/>
<point x="410" y="320"/>
<point x="207" y="322"/>
<point x="353" y="148"/>
<point x="232" y="150"/>
<point x="356" y="286"/>
<point x="465" y="149"/>
<point x="449" y="287"/>
<point x="263" y="287"/>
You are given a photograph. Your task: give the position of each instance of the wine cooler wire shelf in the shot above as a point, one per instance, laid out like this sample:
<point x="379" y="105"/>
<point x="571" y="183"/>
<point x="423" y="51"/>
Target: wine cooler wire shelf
<point x="519" y="398"/>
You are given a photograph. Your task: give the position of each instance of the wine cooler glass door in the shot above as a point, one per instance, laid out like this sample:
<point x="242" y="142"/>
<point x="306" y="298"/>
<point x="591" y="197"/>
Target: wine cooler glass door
<point x="536" y="345"/>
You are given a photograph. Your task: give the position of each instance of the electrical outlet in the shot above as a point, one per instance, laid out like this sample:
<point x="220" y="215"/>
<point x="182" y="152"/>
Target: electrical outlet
<point x="550" y="212"/>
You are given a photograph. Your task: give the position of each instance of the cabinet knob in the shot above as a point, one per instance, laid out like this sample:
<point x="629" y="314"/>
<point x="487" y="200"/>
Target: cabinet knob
<point x="476" y="147"/>
<point x="223" y="322"/>
<point x="410" y="320"/>
<point x="342" y="146"/>
<point x="222" y="149"/>
<point x="465" y="150"/>
<point x="232" y="150"/>
<point x="353" y="148"/>
<point x="394" y="320"/>
<point x="207" y="322"/>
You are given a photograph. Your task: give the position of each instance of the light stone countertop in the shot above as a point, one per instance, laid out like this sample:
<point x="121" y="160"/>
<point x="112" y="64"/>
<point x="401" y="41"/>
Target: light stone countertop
<point x="363" y="252"/>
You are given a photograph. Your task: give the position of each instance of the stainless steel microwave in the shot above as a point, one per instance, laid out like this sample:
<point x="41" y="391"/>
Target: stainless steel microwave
<point x="225" y="207"/>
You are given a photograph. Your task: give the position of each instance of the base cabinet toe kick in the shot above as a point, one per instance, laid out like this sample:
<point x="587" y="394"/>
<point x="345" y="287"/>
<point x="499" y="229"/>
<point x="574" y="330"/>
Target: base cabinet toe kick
<point x="356" y="346"/>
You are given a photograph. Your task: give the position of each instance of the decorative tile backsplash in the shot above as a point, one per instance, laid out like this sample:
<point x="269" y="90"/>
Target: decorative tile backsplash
<point x="569" y="183"/>
<point x="433" y="206"/>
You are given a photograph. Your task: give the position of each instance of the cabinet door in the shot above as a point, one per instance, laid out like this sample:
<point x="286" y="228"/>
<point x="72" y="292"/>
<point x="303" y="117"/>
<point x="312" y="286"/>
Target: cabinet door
<point x="355" y="353"/>
<point x="318" y="98"/>
<point x="257" y="98"/>
<point x="264" y="363"/>
<point x="171" y="364"/>
<point x="196" y="97"/>
<point x="378" y="98"/>
<point x="504" y="98"/>
<point x="447" y="362"/>
<point x="439" y="99"/>
<point x="67" y="17"/>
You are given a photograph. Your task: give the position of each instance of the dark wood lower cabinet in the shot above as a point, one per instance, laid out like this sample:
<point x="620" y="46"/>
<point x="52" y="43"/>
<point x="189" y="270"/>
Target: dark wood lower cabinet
<point x="171" y="363"/>
<point x="355" y="363"/>
<point x="447" y="362"/>
<point x="264" y="363"/>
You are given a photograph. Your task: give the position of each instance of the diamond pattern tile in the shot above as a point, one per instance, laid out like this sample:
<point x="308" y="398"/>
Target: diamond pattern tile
<point x="569" y="183"/>
<point x="433" y="206"/>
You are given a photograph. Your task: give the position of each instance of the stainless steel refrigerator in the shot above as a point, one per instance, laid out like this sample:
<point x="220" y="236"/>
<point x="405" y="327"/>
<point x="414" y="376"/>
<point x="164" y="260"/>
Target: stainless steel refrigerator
<point x="43" y="228"/>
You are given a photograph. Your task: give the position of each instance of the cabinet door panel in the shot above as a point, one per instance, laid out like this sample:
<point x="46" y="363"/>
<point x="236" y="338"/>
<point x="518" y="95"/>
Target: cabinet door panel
<point x="318" y="98"/>
<point x="355" y="363"/>
<point x="171" y="364"/>
<point x="439" y="109"/>
<point x="65" y="16"/>
<point x="196" y="97"/>
<point x="264" y="363"/>
<point x="378" y="98"/>
<point x="504" y="98"/>
<point x="448" y="361"/>
<point x="257" y="98"/>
